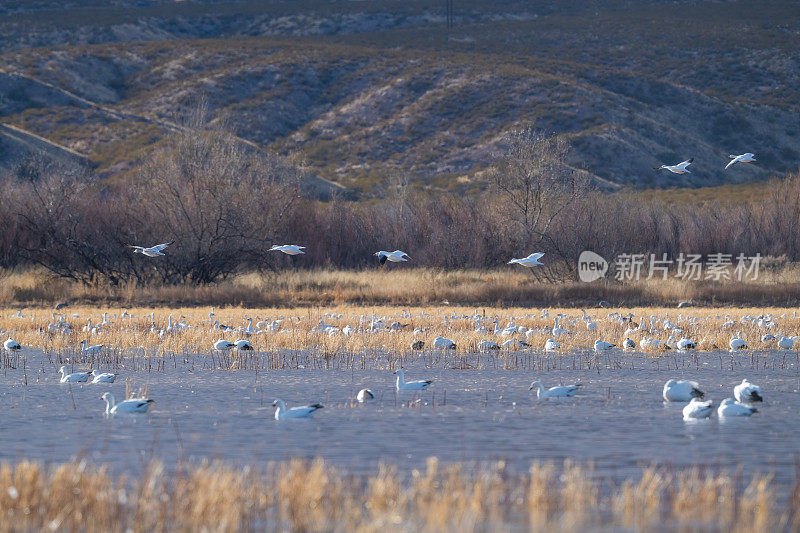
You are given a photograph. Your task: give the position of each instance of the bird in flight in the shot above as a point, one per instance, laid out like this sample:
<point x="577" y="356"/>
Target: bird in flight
<point x="288" y="249"/>
<point x="680" y="168"/>
<point x="153" y="251"/>
<point x="397" y="256"/>
<point x="530" y="261"/>
<point x="744" y="158"/>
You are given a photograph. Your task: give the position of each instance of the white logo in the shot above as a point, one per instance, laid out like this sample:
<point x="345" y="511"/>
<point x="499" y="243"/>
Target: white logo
<point x="591" y="266"/>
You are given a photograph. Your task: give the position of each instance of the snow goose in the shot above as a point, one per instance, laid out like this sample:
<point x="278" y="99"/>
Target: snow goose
<point x="530" y="261"/>
<point x="737" y="343"/>
<point x="686" y="344"/>
<point x="397" y="256"/>
<point x="744" y="158"/>
<point x="728" y="407"/>
<point x="303" y="411"/>
<point x="223" y="346"/>
<point x="514" y="344"/>
<point x="550" y="345"/>
<point x="153" y="251"/>
<point x="785" y="343"/>
<point x="629" y="344"/>
<point x="103" y="377"/>
<point x="680" y="168"/>
<point x="242" y="344"/>
<point x="417" y="345"/>
<point x="561" y="391"/>
<point x="444" y="343"/>
<point x="696" y="409"/>
<point x="90" y="350"/>
<point x="487" y="345"/>
<point x="364" y="395"/>
<point x="288" y="249"/>
<point x="11" y="345"/>
<point x="76" y="377"/>
<point x="133" y="405"/>
<point x="747" y="392"/>
<point x="402" y="384"/>
<point x="678" y="390"/>
<point x="600" y="346"/>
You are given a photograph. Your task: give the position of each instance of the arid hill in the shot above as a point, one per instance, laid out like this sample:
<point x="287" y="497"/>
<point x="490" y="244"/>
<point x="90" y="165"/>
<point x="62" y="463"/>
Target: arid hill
<point x="358" y="92"/>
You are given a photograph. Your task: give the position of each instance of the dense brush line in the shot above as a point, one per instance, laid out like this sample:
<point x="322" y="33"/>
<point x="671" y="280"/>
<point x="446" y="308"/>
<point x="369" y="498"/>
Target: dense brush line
<point x="225" y="208"/>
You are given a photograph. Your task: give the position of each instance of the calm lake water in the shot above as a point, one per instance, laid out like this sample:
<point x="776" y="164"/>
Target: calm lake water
<point x="618" y="420"/>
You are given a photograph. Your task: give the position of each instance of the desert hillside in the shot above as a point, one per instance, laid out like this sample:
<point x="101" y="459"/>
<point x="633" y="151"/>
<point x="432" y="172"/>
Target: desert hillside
<point x="361" y="91"/>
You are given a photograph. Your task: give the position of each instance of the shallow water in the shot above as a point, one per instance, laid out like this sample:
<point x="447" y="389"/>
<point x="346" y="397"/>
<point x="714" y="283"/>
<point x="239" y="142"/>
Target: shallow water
<point x="618" y="420"/>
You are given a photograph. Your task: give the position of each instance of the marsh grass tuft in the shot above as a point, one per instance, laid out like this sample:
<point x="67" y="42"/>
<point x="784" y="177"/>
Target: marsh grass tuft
<point x="302" y="495"/>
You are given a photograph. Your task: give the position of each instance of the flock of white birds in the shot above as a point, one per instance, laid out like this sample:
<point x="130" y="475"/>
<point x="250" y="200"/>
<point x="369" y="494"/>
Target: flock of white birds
<point x="513" y="336"/>
<point x="682" y="167"/>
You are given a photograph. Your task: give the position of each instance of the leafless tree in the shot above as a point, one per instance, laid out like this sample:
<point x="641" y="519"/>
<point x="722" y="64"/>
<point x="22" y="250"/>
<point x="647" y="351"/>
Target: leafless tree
<point x="534" y="186"/>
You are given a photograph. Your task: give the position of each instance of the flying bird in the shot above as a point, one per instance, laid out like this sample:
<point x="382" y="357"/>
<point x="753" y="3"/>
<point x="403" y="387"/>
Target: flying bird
<point x="680" y="168"/>
<point x="744" y="158"/>
<point x="398" y="256"/>
<point x="288" y="249"/>
<point x="153" y="251"/>
<point x="530" y="261"/>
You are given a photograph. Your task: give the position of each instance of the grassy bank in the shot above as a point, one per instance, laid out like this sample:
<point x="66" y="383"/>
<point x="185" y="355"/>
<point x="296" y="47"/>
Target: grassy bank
<point x="313" y="496"/>
<point x="403" y="286"/>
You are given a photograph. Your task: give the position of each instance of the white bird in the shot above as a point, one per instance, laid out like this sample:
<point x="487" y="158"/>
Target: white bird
<point x="561" y="391"/>
<point x="223" y="345"/>
<point x="397" y="256"/>
<point x="551" y="345"/>
<point x="680" y="168"/>
<point x="747" y="392"/>
<point x="737" y="343"/>
<point x="88" y="350"/>
<point x="676" y="390"/>
<point x="444" y="343"/>
<point x="242" y="344"/>
<point x="77" y="377"/>
<point x="133" y="405"/>
<point x="153" y="251"/>
<point x="629" y="344"/>
<point x="744" y="158"/>
<point x="303" y="411"/>
<point x="600" y="346"/>
<point x="530" y="261"/>
<point x="11" y="345"/>
<point x="104" y="377"/>
<point x="288" y="249"/>
<point x="696" y="409"/>
<point x="402" y="384"/>
<point x="786" y="343"/>
<point x="730" y="408"/>
<point x="686" y="344"/>
<point x="365" y="395"/>
<point x="486" y="345"/>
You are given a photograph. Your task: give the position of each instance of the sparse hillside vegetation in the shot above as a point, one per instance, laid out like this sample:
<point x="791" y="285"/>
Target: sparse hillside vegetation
<point x="361" y="91"/>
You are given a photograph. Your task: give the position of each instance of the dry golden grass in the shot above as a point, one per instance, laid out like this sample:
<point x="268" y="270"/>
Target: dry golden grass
<point x="289" y="337"/>
<point x="778" y="285"/>
<point x="300" y="495"/>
